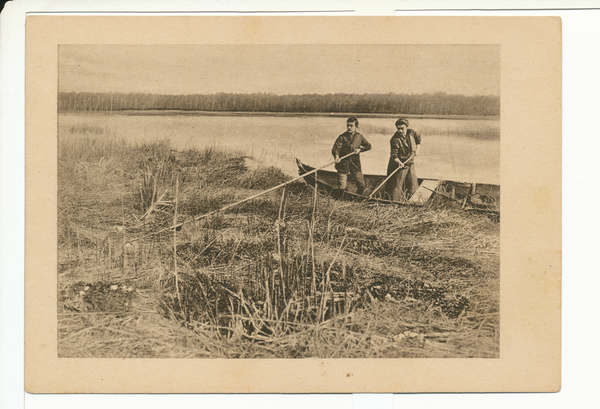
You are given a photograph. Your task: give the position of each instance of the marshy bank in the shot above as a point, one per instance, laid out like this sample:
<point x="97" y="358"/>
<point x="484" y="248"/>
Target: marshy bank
<point x="289" y="274"/>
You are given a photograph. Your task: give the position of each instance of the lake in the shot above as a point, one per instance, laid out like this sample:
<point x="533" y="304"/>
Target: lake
<point x="465" y="150"/>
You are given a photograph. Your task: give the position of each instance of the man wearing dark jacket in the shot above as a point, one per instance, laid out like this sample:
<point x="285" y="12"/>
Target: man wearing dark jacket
<point x="348" y="142"/>
<point x="404" y="146"/>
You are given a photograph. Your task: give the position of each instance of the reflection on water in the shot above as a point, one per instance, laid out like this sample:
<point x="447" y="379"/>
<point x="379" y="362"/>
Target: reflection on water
<point x="461" y="150"/>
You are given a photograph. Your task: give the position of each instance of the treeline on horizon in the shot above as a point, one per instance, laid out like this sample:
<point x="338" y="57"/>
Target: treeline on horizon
<point x="438" y="103"/>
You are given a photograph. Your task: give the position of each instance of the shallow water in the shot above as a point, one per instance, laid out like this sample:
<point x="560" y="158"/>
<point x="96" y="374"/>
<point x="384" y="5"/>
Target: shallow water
<point x="451" y="149"/>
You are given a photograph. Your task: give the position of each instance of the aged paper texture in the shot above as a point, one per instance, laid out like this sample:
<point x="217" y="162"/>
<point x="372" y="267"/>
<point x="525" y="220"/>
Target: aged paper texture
<point x="527" y="72"/>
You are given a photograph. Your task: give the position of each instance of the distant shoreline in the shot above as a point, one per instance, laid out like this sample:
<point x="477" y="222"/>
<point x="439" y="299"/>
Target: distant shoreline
<point x="167" y="112"/>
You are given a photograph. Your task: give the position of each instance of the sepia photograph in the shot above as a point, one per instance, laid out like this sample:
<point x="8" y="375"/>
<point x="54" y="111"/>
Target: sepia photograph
<point x="278" y="201"/>
<point x="292" y="205"/>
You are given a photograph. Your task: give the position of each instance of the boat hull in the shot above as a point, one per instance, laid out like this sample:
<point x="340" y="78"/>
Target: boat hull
<point x="486" y="197"/>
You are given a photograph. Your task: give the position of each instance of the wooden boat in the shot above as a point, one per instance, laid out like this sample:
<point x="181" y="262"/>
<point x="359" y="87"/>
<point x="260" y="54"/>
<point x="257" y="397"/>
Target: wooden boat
<point x="470" y="196"/>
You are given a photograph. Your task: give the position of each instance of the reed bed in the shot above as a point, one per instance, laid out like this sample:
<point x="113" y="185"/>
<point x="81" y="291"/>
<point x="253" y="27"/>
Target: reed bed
<point x="484" y="129"/>
<point x="290" y="274"/>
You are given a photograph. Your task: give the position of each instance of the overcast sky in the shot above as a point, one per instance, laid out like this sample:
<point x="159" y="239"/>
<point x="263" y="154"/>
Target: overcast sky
<point x="280" y="69"/>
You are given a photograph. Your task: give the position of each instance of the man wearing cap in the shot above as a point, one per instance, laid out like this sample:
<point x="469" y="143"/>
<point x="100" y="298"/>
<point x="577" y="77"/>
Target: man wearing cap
<point x="404" y="146"/>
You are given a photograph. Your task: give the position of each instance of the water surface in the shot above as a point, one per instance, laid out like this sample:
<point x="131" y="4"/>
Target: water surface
<point x="451" y="149"/>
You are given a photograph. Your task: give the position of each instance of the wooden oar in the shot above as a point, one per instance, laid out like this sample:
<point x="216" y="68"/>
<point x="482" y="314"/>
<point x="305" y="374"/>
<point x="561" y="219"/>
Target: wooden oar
<point x="229" y="206"/>
<point x="386" y="179"/>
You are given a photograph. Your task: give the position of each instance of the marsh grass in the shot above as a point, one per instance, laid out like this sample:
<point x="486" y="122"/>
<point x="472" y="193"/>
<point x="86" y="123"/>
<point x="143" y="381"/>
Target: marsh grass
<point x="485" y="130"/>
<point x="80" y="128"/>
<point x="289" y="274"/>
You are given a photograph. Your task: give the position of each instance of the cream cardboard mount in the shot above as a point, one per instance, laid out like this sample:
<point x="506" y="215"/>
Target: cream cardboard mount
<point x="530" y="225"/>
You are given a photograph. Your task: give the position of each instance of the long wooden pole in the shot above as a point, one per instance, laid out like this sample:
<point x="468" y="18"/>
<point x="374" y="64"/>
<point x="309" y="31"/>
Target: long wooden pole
<point x="229" y="206"/>
<point x="386" y="179"/>
<point x="383" y="183"/>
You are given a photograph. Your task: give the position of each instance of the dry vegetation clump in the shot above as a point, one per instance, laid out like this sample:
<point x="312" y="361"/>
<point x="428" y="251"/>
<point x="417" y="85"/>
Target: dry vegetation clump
<point x="263" y="178"/>
<point x="80" y="128"/>
<point x="289" y="274"/>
